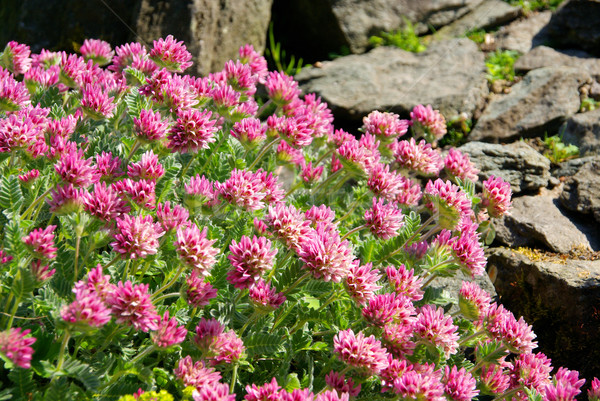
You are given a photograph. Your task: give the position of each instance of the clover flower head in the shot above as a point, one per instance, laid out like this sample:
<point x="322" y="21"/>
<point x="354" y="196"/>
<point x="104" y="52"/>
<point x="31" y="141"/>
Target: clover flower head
<point x="362" y="353"/>
<point x="288" y="154"/>
<point x="249" y="131"/>
<point x="244" y="189"/>
<point x="384" y="220"/>
<point x="421" y="384"/>
<point x="265" y="297"/>
<point x="41" y="272"/>
<point x="227" y="348"/>
<point x="338" y="382"/>
<point x="73" y="168"/>
<point x="531" y="370"/>
<point x="88" y="309"/>
<point x="287" y="224"/>
<point x="565" y="385"/>
<point x="195" y="374"/>
<point x="515" y="334"/>
<point x="473" y="301"/>
<point x="310" y="174"/>
<point x="459" y="385"/>
<point x="136" y="236"/>
<point x="428" y="121"/>
<point x="394" y="369"/>
<point x="142" y="192"/>
<point x="493" y="380"/>
<point x="419" y="157"/>
<point x="148" y="168"/>
<point x="97" y="50"/>
<point x="267" y="391"/>
<point x="131" y="304"/>
<point x="16" y="346"/>
<point x="168" y="332"/>
<point x="171" y="218"/>
<point x="404" y="282"/>
<point x="108" y="166"/>
<point x="313" y="112"/>
<point x="325" y="255"/>
<point x="250" y="259"/>
<point x="240" y="77"/>
<point x="384" y="309"/>
<point x="195" y="250"/>
<point x="384" y="124"/>
<point x="13" y="94"/>
<point x="199" y="292"/>
<point x="193" y="131"/>
<point x="281" y="88"/>
<point x="255" y="60"/>
<point x="65" y="199"/>
<point x="361" y="282"/>
<point x="15" y="58"/>
<point x="171" y="54"/>
<point x="41" y="242"/>
<point x="126" y="54"/>
<point x="449" y="202"/>
<point x="496" y="196"/>
<point x="434" y="327"/>
<point x="594" y="390"/>
<point x="105" y="203"/>
<point x="213" y="392"/>
<point x="398" y="339"/>
<point x="150" y="126"/>
<point x="385" y="183"/>
<point x="468" y="251"/>
<point x="458" y="165"/>
<point x="225" y="97"/>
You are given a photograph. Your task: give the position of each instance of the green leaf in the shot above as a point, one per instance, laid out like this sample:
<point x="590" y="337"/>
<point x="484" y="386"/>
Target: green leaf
<point x="82" y="372"/>
<point x="23" y="284"/>
<point x="58" y="390"/>
<point x="135" y="101"/>
<point x="263" y="344"/>
<point x="11" y="196"/>
<point x="292" y="382"/>
<point x="23" y="383"/>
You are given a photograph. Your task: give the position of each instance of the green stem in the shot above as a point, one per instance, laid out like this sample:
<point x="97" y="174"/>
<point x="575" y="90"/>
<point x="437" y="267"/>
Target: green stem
<point x="13" y="312"/>
<point x="40" y="198"/>
<point x="112" y="262"/>
<point x="12" y="159"/>
<point x="250" y="320"/>
<point x="353" y="206"/>
<point x="223" y="139"/>
<point x="328" y="153"/>
<point x="328" y="180"/>
<point x="280" y="264"/>
<point x="472" y="336"/>
<point x="187" y="166"/>
<point x="165" y="296"/>
<point x="354" y="230"/>
<point x="108" y="339"/>
<point x="171" y="282"/>
<point x="509" y="394"/>
<point x="296" y="283"/>
<point x="233" y="378"/>
<point x="293" y="189"/>
<point x="78" y="232"/>
<point x="408" y="241"/>
<point x="63" y="346"/>
<point x="135" y="147"/>
<point x="143" y="354"/>
<point x="126" y="270"/>
<point x="264" y="107"/>
<point x="263" y="151"/>
<point x="429" y="280"/>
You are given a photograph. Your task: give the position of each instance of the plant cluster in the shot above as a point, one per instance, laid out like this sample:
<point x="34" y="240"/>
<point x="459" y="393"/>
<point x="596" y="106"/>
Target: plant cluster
<point x="500" y="65"/>
<point x="151" y="248"/>
<point x="405" y="38"/>
<point x="558" y="151"/>
<point x="535" y="5"/>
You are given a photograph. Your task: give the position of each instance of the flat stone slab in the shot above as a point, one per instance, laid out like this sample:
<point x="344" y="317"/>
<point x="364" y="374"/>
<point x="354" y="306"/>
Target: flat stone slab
<point x="583" y="130"/>
<point x="538" y="104"/>
<point x="517" y="163"/>
<point x="544" y="56"/>
<point x="450" y="76"/>
<point x="559" y="297"/>
<point x="575" y="26"/>
<point x="581" y="192"/>
<point x="537" y="221"/>
<point x="488" y="14"/>
<point x="523" y="34"/>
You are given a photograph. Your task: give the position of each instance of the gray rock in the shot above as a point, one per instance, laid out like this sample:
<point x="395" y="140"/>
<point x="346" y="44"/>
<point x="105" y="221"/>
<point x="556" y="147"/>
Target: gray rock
<point x="488" y="14"/>
<point x="517" y="163"/>
<point x="571" y="167"/>
<point x="560" y="298"/>
<point x="543" y="56"/>
<point x="537" y="221"/>
<point x="575" y="26"/>
<point x="536" y="105"/>
<point x="319" y="27"/>
<point x="58" y="24"/>
<point x="213" y="30"/>
<point x="583" y="130"/>
<point x="524" y="34"/>
<point x="581" y="192"/>
<point x="450" y="76"/>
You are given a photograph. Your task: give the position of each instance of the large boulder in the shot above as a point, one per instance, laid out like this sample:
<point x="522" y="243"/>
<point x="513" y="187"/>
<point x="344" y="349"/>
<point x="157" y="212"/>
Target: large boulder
<point x="559" y="297"/>
<point x="319" y="27"/>
<point x="581" y="192"/>
<point x="539" y="222"/>
<point x="63" y="24"/>
<point x="538" y="104"/>
<point x="523" y="34"/>
<point x="525" y="169"/>
<point x="575" y="26"/>
<point x="583" y="130"/>
<point x="213" y="30"/>
<point x="450" y="76"/>
<point x="544" y="56"/>
<point x="486" y="15"/>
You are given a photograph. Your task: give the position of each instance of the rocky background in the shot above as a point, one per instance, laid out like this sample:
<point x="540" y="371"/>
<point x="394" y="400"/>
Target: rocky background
<point x="545" y="261"/>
